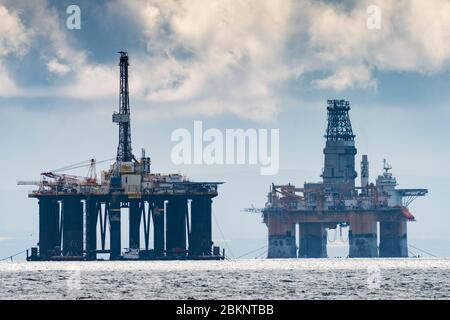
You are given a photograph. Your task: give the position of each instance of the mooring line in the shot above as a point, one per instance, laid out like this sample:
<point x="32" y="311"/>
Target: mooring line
<point x="12" y="256"/>
<point x="221" y="233"/>
<point x="251" y="252"/>
<point x="262" y="254"/>
<point x="423" y="251"/>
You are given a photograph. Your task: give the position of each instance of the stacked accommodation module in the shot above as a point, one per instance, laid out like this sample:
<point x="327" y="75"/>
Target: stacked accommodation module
<point x="336" y="201"/>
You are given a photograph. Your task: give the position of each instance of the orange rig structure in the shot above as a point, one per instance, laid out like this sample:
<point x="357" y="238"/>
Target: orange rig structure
<point x="336" y="202"/>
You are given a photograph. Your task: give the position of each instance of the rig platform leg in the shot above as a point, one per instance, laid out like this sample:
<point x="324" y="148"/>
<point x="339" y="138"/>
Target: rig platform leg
<point x="281" y="238"/>
<point x="201" y="226"/>
<point x="313" y="241"/>
<point x="48" y="227"/>
<point x="114" y="222"/>
<point x="393" y="239"/>
<point x="363" y="236"/>
<point x="135" y="225"/>
<point x="176" y="227"/>
<point x="91" y="229"/>
<point x="72" y="226"/>
<point x="158" y="227"/>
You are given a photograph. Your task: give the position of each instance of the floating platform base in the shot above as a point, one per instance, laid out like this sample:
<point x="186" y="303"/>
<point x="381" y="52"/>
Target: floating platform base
<point x="193" y="258"/>
<point x="143" y="255"/>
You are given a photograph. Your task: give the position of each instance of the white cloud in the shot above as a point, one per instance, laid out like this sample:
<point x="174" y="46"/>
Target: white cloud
<point x="88" y="80"/>
<point x="13" y="40"/>
<point x="230" y="53"/>
<point x="46" y="32"/>
<point x="8" y="87"/>
<point x="57" y="67"/>
<point x="414" y="36"/>
<point x="238" y="54"/>
<point x="348" y="77"/>
<point x="92" y="81"/>
<point x="13" y="35"/>
<point x="215" y="57"/>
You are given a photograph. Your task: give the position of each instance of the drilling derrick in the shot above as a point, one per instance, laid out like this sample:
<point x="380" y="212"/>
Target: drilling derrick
<point x="339" y="170"/>
<point x="122" y="118"/>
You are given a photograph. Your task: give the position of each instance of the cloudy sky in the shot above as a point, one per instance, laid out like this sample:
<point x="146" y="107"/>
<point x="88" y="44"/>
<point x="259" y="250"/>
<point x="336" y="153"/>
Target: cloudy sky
<point x="231" y="64"/>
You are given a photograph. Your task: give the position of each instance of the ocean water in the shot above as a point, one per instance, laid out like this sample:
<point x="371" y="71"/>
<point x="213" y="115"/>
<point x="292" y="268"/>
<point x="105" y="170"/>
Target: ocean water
<point x="411" y="278"/>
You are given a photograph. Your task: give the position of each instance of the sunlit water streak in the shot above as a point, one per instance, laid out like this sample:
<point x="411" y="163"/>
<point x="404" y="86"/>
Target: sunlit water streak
<point x="239" y="279"/>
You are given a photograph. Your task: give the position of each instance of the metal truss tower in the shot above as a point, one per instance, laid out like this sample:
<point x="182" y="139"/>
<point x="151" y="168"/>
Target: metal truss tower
<point x="124" y="153"/>
<point x="339" y="125"/>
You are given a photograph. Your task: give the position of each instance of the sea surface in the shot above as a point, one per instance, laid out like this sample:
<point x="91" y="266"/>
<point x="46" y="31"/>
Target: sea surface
<point x="413" y="278"/>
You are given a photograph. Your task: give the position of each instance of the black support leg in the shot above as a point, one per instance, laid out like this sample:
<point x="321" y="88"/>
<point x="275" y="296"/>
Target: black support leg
<point x="201" y="226"/>
<point x="135" y="224"/>
<point x="114" y="223"/>
<point x="72" y="227"/>
<point x="48" y="227"/>
<point x="91" y="229"/>
<point x="176" y="227"/>
<point x="158" y="227"/>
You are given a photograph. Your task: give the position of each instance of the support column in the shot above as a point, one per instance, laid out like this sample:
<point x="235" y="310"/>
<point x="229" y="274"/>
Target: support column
<point x="158" y="227"/>
<point x="91" y="228"/>
<point x="313" y="241"/>
<point x="281" y="237"/>
<point x="135" y="225"/>
<point x="363" y="236"/>
<point x="48" y="227"/>
<point x="200" y="241"/>
<point x="393" y="239"/>
<point x="114" y="223"/>
<point x="176" y="226"/>
<point x="72" y="226"/>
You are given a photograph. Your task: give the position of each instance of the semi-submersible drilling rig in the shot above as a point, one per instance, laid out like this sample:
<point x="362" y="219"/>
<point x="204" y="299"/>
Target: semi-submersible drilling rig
<point x="337" y="202"/>
<point x="74" y="210"/>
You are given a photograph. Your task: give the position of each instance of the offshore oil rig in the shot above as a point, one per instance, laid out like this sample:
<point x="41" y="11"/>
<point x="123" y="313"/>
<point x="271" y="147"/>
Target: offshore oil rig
<point x="337" y="202"/>
<point x="74" y="210"/>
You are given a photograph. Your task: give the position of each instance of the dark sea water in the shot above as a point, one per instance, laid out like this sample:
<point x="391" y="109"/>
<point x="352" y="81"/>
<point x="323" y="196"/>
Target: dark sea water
<point x="238" y="279"/>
